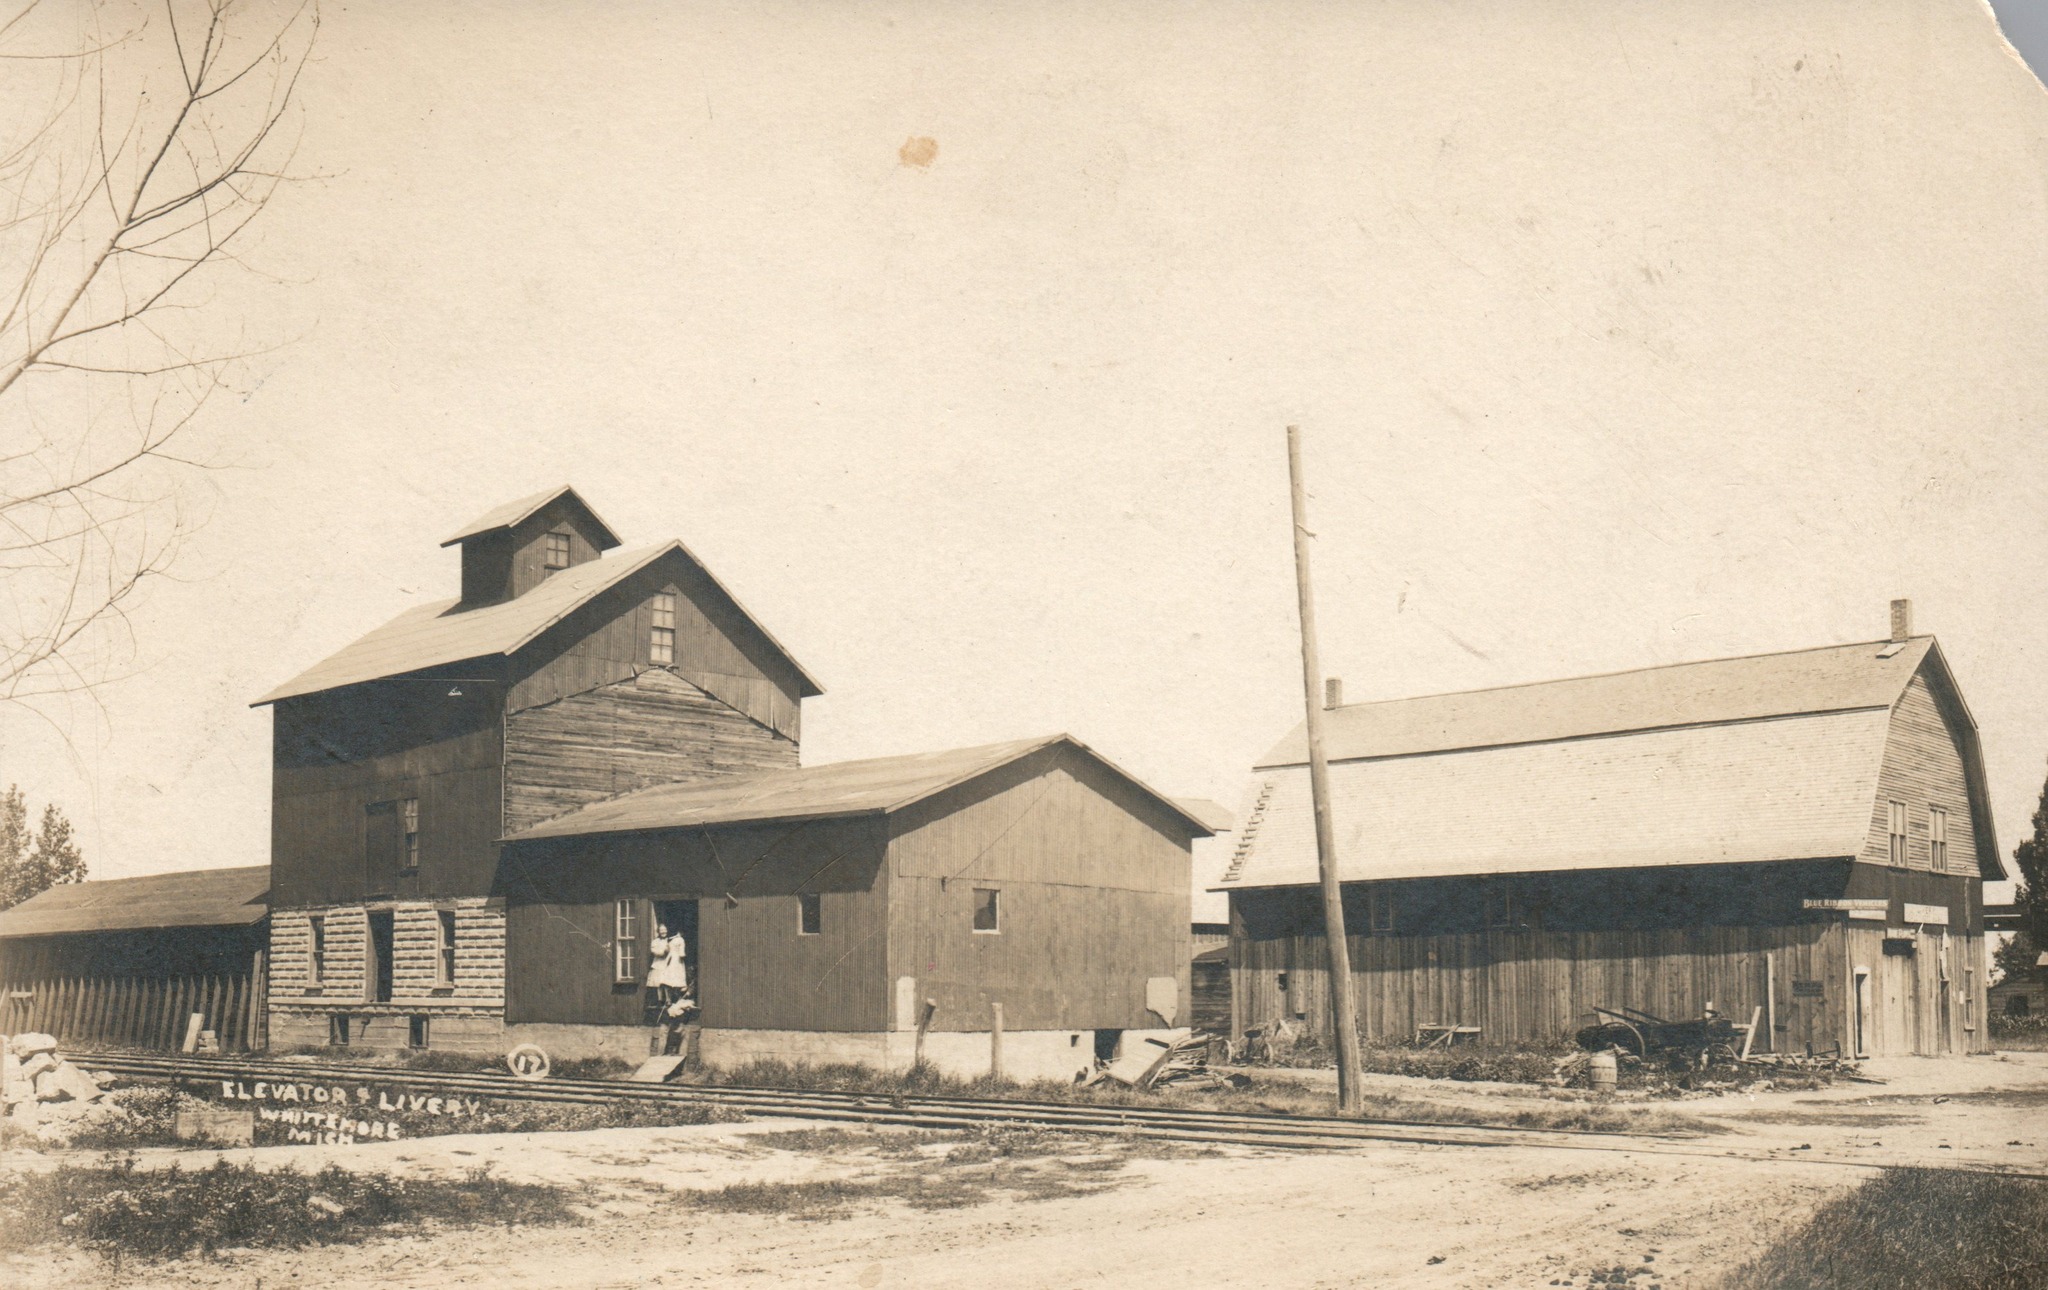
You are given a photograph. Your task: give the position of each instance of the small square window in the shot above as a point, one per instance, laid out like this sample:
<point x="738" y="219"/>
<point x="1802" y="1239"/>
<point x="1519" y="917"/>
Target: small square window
<point x="988" y="912"/>
<point x="810" y="913"/>
<point x="558" y="551"/>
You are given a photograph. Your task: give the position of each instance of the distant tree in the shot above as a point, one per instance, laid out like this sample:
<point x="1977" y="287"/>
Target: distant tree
<point x="2031" y="896"/>
<point x="2015" y="958"/>
<point x="30" y="863"/>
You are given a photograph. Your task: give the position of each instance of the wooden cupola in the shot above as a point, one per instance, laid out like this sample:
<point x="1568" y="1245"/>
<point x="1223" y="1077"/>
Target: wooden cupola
<point x="511" y="549"/>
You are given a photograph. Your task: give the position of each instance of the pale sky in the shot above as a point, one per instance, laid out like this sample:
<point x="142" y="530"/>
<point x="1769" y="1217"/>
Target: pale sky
<point x="1621" y="334"/>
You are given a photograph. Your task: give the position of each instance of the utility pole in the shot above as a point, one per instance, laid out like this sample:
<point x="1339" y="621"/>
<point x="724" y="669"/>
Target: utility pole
<point x="1343" y="994"/>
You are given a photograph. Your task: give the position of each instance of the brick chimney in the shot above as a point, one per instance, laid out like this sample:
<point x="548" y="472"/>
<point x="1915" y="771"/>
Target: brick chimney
<point x="1902" y="620"/>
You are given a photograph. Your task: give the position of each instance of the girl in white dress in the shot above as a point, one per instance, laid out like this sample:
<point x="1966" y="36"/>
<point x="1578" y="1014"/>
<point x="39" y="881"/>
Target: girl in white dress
<point x="666" y="972"/>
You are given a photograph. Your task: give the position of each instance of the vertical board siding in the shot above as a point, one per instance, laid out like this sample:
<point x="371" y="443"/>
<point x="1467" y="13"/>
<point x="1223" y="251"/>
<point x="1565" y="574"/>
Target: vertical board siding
<point x="131" y="989"/>
<point x="1095" y="898"/>
<point x="653" y="728"/>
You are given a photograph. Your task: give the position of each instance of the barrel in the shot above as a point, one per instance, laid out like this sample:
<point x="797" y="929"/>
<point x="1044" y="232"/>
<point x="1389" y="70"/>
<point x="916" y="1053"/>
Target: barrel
<point x="1603" y="1070"/>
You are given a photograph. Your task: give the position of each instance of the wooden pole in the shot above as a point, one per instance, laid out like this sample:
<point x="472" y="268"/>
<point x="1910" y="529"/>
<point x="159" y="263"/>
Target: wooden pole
<point x="1771" y="999"/>
<point x="1343" y="990"/>
<point x="995" y="1043"/>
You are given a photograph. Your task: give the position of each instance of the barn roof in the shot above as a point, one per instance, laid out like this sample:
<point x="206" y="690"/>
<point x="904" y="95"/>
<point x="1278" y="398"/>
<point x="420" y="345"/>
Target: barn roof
<point x="1835" y="678"/>
<point x="515" y="512"/>
<point x="193" y="898"/>
<point x="434" y="635"/>
<point x="876" y="786"/>
<point x="1760" y="758"/>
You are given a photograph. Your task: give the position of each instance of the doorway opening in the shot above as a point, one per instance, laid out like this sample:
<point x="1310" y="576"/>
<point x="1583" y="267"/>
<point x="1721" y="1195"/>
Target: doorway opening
<point x="380" y="955"/>
<point x="679" y="917"/>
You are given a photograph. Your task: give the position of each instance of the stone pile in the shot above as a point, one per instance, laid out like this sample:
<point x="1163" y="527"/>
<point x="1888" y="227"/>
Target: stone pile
<point x="38" y="1087"/>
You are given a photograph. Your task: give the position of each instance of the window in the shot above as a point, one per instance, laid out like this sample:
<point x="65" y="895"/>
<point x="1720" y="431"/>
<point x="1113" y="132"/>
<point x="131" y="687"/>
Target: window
<point x="810" y="913"/>
<point x="316" y="971"/>
<point x="1969" y="997"/>
<point x="444" y="947"/>
<point x="416" y="1032"/>
<point x="661" y="647"/>
<point x="625" y="942"/>
<point x="382" y="924"/>
<point x="1937" y="839"/>
<point x="988" y="914"/>
<point x="1507" y="908"/>
<point x="557" y="551"/>
<point x="409" y="817"/>
<point x="337" y="1030"/>
<point x="1379" y="909"/>
<point x="1898" y="835"/>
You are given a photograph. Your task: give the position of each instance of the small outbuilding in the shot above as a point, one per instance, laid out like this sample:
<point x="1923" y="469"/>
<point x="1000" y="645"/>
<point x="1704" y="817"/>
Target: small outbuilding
<point x="1017" y="907"/>
<point x="128" y="961"/>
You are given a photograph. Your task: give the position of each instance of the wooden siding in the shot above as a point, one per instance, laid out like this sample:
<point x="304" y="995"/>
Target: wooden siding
<point x="479" y="958"/>
<point x="717" y="648"/>
<point x="135" y="989"/>
<point x="753" y="970"/>
<point x="1095" y="898"/>
<point x="510" y="562"/>
<point x="335" y="754"/>
<point x="653" y="728"/>
<point x="1541" y="987"/>
<point x="1923" y="767"/>
<point x="1926" y="1002"/>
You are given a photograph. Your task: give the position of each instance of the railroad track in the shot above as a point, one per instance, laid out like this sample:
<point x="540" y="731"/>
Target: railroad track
<point x="1271" y="1130"/>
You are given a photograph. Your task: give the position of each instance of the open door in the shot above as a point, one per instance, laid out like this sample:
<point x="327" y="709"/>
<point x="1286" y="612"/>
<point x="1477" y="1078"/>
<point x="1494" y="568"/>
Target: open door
<point x="1859" y="1013"/>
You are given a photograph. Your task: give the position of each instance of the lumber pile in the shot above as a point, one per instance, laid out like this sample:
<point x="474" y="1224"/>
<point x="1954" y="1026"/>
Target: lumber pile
<point x="1179" y="1064"/>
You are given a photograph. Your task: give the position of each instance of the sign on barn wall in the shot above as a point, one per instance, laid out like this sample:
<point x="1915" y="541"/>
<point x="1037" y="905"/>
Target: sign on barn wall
<point x="289" y="1111"/>
<point x="1807" y="990"/>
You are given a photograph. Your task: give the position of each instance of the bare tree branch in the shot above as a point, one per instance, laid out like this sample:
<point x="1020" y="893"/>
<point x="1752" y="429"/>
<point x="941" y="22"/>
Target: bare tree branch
<point x="111" y="219"/>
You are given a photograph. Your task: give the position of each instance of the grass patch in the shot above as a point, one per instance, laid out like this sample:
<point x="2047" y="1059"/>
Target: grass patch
<point x="2020" y="1034"/>
<point x="120" y="1211"/>
<point x="1915" y="1229"/>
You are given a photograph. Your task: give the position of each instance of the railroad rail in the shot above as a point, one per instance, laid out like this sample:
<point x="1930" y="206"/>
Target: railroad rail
<point x="1275" y="1130"/>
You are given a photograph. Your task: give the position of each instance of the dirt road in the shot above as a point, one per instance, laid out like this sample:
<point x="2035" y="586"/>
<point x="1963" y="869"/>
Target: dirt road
<point x="1386" y="1216"/>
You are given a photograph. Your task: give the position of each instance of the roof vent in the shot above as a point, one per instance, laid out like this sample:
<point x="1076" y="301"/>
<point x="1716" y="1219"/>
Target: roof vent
<point x="1902" y="620"/>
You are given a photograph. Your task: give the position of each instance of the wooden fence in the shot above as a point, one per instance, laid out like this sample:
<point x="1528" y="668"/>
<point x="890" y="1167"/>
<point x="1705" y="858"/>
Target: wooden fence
<point x="87" y="994"/>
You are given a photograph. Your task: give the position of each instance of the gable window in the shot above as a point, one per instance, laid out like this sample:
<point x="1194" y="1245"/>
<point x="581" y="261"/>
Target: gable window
<point x="810" y="913"/>
<point x="557" y="556"/>
<point x="409" y="821"/>
<point x="988" y="911"/>
<point x="316" y="969"/>
<point x="444" y="947"/>
<point x="1898" y="835"/>
<point x="1379" y="909"/>
<point x="1937" y="839"/>
<point x="625" y="942"/>
<point x="661" y="646"/>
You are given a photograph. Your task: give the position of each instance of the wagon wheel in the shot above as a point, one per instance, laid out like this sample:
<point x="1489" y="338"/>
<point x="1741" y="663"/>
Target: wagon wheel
<point x="1614" y="1032"/>
<point x="1719" y="1054"/>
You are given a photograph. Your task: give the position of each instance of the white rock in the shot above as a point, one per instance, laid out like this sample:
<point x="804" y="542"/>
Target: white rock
<point x="70" y="1083"/>
<point x="34" y="1042"/>
<point x="36" y="1065"/>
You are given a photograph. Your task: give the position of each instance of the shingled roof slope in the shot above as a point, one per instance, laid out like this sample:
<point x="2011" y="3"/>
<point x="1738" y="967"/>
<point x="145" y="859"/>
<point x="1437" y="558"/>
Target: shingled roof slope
<point x="193" y="898"/>
<point x="432" y="635"/>
<point x="874" y="786"/>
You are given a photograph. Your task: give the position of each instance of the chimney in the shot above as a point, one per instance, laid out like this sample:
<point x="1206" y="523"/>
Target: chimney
<point x="1333" y="692"/>
<point x="1902" y="619"/>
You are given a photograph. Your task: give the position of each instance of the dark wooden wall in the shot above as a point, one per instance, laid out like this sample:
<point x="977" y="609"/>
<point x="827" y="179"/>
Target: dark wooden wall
<point x="653" y="728"/>
<point x="717" y="648"/>
<point x="510" y="562"/>
<point x="135" y="989"/>
<point x="754" y="970"/>
<point x="336" y="753"/>
<point x="1095" y="898"/>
